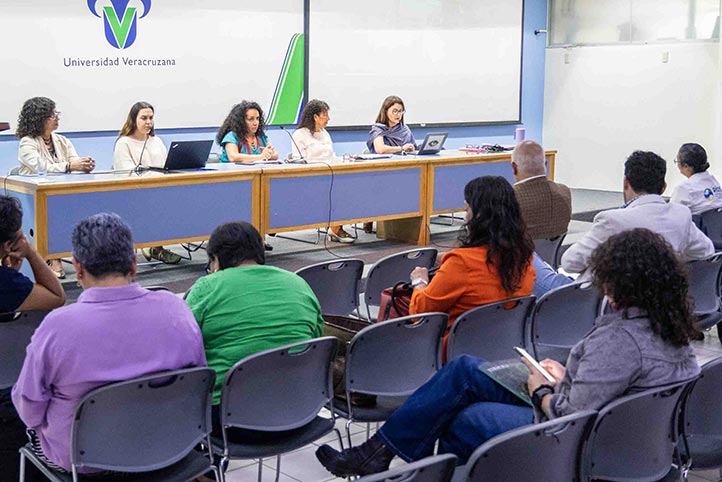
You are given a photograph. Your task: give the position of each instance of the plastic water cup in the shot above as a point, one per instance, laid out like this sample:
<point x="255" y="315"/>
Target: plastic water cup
<point x="519" y="134"/>
<point x="42" y="166"/>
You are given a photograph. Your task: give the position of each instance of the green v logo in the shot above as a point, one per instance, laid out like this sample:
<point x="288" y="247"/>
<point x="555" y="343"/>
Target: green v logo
<point x="120" y="27"/>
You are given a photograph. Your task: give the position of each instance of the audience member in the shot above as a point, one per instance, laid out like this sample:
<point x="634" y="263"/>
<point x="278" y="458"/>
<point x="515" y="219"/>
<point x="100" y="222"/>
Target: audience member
<point x="644" y="207"/>
<point x="17" y="291"/>
<point x="546" y="206"/>
<point x="116" y="331"/>
<point x="701" y="191"/>
<point x="244" y="307"/>
<point x="643" y="342"/>
<point x="493" y="262"/>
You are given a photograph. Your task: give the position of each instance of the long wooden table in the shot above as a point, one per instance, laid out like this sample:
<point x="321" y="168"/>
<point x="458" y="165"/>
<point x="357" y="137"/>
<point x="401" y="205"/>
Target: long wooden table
<point x="186" y="207"/>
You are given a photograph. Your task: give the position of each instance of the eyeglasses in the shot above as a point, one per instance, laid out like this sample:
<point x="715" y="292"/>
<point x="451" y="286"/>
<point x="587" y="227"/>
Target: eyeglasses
<point x="398" y="112"/>
<point x="56" y="115"/>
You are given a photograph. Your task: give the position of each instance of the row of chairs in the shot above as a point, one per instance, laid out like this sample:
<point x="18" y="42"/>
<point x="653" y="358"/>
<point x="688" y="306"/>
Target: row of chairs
<point x="119" y="427"/>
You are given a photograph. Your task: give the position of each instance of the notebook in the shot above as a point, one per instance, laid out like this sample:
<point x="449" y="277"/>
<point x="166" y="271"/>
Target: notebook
<point x="510" y="374"/>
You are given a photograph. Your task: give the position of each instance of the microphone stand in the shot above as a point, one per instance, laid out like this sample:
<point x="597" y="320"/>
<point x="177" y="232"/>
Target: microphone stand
<point x="291" y="159"/>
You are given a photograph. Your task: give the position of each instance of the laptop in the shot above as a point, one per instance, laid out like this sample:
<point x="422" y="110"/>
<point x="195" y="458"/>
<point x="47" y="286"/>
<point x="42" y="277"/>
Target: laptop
<point x="433" y="143"/>
<point x="186" y="155"/>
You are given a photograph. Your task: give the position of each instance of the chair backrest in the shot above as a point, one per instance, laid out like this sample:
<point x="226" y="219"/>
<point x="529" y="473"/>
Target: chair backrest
<point x="548" y="249"/>
<point x="561" y="317"/>
<point x="549" y="451"/>
<point x="15" y="336"/>
<point x="634" y="437"/>
<point x="279" y="389"/>
<point x="143" y="424"/>
<point x="710" y="222"/>
<point x="439" y="468"/>
<point x="490" y="331"/>
<point x="702" y="417"/>
<point x="704" y="288"/>
<point x="397" y="356"/>
<point x="335" y="284"/>
<point x="390" y="270"/>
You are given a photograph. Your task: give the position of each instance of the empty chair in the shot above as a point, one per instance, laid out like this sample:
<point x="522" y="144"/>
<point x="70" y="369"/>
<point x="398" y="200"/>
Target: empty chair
<point x="545" y="452"/>
<point x="147" y="424"/>
<point x="702" y="420"/>
<point x="710" y="222"/>
<point x="14" y="338"/>
<point x="634" y="437"/>
<point x="490" y="331"/>
<point x="561" y="317"/>
<point x="279" y="391"/>
<point x="549" y="250"/>
<point x="704" y="278"/>
<point x="392" y="269"/>
<point x="335" y="284"/>
<point x="439" y="468"/>
<point x="391" y="359"/>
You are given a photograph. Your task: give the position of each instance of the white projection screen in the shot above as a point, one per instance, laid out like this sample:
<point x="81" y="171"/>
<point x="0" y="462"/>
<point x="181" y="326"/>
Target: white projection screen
<point x="452" y="61"/>
<point x="216" y="53"/>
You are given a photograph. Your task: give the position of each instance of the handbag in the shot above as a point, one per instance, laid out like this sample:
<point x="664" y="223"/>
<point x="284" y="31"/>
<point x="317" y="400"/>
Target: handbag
<point x="395" y="301"/>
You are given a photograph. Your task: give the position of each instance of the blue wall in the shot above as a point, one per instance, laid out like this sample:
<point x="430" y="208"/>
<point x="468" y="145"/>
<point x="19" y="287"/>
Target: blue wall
<point x="100" y="144"/>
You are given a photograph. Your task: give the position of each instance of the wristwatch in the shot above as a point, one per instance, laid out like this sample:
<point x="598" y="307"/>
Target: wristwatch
<point x="538" y="395"/>
<point x="417" y="282"/>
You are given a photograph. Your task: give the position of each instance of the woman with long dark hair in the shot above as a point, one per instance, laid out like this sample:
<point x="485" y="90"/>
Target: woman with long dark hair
<point x="642" y="342"/>
<point x="493" y="262"/>
<point x="390" y="134"/>
<point x="137" y="144"/>
<point x="242" y="136"/>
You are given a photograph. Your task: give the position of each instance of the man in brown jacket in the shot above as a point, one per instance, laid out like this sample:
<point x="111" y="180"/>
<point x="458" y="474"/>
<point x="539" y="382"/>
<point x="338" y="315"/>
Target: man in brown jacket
<point x="546" y="206"/>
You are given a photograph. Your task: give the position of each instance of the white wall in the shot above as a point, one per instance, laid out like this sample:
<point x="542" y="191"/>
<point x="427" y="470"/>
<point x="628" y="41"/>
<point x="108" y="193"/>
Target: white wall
<point x="608" y="101"/>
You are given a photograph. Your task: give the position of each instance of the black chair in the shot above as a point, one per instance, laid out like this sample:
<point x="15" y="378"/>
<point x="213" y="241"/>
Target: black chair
<point x="391" y="359"/>
<point x="701" y="424"/>
<point x="704" y="289"/>
<point x="634" y="437"/>
<point x="550" y="250"/>
<point x="439" y="468"/>
<point x="16" y="329"/>
<point x="548" y="451"/>
<point x="490" y="331"/>
<point x="388" y="271"/>
<point x="560" y="319"/>
<point x="279" y="392"/>
<point x="147" y="428"/>
<point x="335" y="284"/>
<point x="710" y="222"/>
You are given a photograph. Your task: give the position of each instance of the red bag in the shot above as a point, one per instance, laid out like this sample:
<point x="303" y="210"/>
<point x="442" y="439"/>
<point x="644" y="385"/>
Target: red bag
<point x="395" y="301"/>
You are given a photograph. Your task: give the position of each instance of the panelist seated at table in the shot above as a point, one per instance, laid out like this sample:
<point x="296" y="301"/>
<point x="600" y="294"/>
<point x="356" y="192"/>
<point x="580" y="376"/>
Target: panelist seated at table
<point x="41" y="149"/>
<point x="312" y="141"/>
<point x="389" y="134"/>
<point x="137" y="145"/>
<point x="242" y="137"/>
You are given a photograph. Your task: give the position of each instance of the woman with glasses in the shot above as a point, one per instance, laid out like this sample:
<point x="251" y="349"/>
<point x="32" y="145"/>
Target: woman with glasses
<point x="42" y="150"/>
<point x="701" y="191"/>
<point x="389" y="134"/>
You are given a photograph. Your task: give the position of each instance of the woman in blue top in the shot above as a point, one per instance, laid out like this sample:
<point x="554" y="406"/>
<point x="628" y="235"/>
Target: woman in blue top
<point x="242" y="137"/>
<point x="389" y="134"/>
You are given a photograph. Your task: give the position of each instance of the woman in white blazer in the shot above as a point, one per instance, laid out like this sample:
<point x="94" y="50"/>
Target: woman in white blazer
<point x="700" y="192"/>
<point x="42" y="150"/>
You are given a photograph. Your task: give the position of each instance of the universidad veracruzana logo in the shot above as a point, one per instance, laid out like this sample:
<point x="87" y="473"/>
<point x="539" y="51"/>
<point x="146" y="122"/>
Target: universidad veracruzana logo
<point x="120" y="20"/>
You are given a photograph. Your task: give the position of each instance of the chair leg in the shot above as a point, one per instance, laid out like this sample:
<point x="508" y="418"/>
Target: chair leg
<point x="340" y="438"/>
<point x="22" y="467"/>
<point x="348" y="432"/>
<point x="260" y="470"/>
<point x="278" y="467"/>
<point x="368" y="431"/>
<point x="218" y="474"/>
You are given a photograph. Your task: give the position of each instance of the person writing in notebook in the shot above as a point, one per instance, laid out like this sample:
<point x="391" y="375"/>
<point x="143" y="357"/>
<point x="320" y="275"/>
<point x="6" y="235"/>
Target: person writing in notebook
<point x="242" y="136"/>
<point x="138" y="146"/>
<point x="642" y="342"/>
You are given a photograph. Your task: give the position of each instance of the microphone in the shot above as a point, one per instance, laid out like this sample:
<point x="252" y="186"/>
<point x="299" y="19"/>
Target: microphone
<point x="139" y="165"/>
<point x="291" y="159"/>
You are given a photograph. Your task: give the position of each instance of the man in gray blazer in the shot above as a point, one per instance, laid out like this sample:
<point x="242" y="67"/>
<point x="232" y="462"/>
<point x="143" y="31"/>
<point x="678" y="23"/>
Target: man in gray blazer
<point x="644" y="207"/>
<point x="546" y="206"/>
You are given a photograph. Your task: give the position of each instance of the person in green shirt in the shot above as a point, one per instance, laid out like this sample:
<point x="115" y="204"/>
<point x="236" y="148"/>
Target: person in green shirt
<point x="244" y="307"/>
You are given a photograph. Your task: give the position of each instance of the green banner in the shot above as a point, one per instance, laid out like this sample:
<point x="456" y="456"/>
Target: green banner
<point x="288" y="97"/>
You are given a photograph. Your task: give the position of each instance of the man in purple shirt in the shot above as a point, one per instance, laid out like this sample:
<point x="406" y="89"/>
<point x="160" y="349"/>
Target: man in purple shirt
<point x="116" y="331"/>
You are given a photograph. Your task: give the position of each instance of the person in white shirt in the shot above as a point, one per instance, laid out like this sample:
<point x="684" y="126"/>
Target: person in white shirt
<point x="311" y="141"/>
<point x="700" y="192"/>
<point x="42" y="150"/>
<point x="138" y="146"/>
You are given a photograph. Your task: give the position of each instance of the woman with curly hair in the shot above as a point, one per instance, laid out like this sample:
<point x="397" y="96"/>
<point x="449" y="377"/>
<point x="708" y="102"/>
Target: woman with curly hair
<point x="242" y="137"/>
<point x="643" y="342"/>
<point x="40" y="147"/>
<point x="42" y="150"/>
<point x="493" y="262"/>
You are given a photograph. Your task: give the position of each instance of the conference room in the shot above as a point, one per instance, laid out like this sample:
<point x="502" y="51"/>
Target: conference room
<point x="347" y="137"/>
